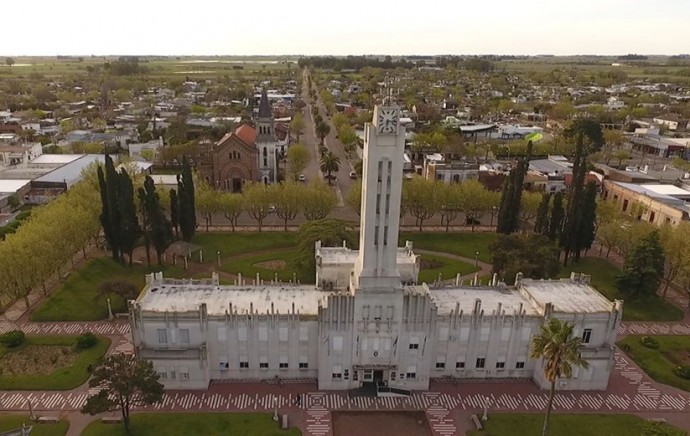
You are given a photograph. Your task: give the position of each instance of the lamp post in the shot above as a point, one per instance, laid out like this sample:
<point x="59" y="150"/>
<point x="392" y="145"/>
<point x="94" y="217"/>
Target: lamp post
<point x="110" y="310"/>
<point x="275" y="408"/>
<point x="218" y="257"/>
<point x="476" y="258"/>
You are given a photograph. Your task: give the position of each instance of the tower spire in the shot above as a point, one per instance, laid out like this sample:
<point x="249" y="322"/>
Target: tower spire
<point x="264" y="106"/>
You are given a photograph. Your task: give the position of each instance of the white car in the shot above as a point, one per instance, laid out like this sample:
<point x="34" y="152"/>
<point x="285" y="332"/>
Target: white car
<point x="353" y="175"/>
<point x="302" y="178"/>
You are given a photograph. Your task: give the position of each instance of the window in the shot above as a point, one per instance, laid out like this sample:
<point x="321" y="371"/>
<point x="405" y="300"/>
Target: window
<point x="244" y="362"/>
<point x="392" y="375"/>
<point x="303" y="362"/>
<point x="480" y="362"/>
<point x="519" y="365"/>
<point x="412" y="371"/>
<point x="385" y="235"/>
<point x="283" y="362"/>
<point x="303" y="333"/>
<point x="376" y="235"/>
<point x="172" y="374"/>
<point x="337" y="372"/>
<point x="223" y="364"/>
<point x="263" y="362"/>
<point x="184" y="336"/>
<point x="184" y="373"/>
<point x="651" y="217"/>
<point x="162" y="336"/>
<point x="459" y="365"/>
<point x="440" y="365"/>
<point x="586" y="336"/>
<point x="355" y="375"/>
<point x="414" y="343"/>
<point x="162" y="373"/>
<point x="368" y="374"/>
<point x="500" y="365"/>
<point x="283" y="334"/>
<point x="365" y="312"/>
<point x="378" y="203"/>
<point x="346" y="374"/>
<point x="263" y="334"/>
<point x="242" y="333"/>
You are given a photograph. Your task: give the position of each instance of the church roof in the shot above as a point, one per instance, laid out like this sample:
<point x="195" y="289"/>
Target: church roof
<point x="264" y="106"/>
<point x="246" y="133"/>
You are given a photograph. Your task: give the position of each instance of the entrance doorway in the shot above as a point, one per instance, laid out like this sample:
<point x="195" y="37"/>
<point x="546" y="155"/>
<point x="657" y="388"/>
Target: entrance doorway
<point x="237" y="185"/>
<point x="378" y="377"/>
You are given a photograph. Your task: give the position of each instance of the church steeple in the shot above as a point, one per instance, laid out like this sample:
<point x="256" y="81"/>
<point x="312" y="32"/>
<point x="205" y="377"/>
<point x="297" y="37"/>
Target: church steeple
<point x="264" y="106"/>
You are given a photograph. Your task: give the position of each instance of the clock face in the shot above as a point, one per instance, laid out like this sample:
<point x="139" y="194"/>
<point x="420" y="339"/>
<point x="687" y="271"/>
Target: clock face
<point x="387" y="121"/>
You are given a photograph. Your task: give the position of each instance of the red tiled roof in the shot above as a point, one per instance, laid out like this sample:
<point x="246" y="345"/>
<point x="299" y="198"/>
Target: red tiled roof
<point x="246" y="133"/>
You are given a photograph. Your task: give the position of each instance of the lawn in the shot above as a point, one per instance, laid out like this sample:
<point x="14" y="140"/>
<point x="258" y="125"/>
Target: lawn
<point x="281" y="261"/>
<point x="233" y="244"/>
<point x="13" y="422"/>
<point x="604" y="275"/>
<point x="77" y="298"/>
<point x="184" y="424"/>
<point x="659" y="363"/>
<point x="461" y="244"/>
<point x="433" y="265"/>
<point x="27" y="362"/>
<point x="509" y="424"/>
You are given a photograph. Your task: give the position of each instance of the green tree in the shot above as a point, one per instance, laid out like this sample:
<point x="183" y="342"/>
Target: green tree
<point x="354" y="197"/>
<point x="174" y="212"/>
<point x="421" y="199"/>
<point x="541" y="224"/>
<point x="207" y="202"/>
<point x="232" y="206"/>
<point x="587" y="230"/>
<point x="318" y="201"/>
<point x="297" y="125"/>
<point x="476" y="200"/>
<point x="160" y="231"/>
<point x="129" y="230"/>
<point x="9" y="61"/>
<point x="643" y="268"/>
<point x="297" y="160"/>
<point x="125" y="382"/>
<point x="533" y="255"/>
<point x="329" y="164"/>
<point x="676" y="241"/>
<point x="451" y="200"/>
<point x="110" y="214"/>
<point x="186" y="201"/>
<point x="556" y="218"/>
<point x="331" y="233"/>
<point x="529" y="206"/>
<point x="287" y="198"/>
<point x="559" y="351"/>
<point x="621" y="155"/>
<point x="257" y="200"/>
<point x="322" y="130"/>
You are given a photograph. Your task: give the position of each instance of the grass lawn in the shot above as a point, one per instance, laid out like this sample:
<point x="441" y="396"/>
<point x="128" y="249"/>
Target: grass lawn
<point x="76" y="299"/>
<point x="279" y="261"/>
<point x="233" y="244"/>
<point x="184" y="424"/>
<point x="59" y="378"/>
<point x="604" y="275"/>
<point x="461" y="244"/>
<point x="509" y="424"/>
<point x="13" y="422"/>
<point x="659" y="363"/>
<point x="432" y="266"/>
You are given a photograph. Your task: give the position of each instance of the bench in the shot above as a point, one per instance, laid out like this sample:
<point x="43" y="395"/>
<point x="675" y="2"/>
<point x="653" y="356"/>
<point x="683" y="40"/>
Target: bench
<point x="111" y="419"/>
<point x="477" y="423"/>
<point x="48" y="419"/>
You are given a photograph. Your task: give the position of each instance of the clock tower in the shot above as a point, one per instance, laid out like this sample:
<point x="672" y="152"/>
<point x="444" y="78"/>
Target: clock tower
<point x="384" y="146"/>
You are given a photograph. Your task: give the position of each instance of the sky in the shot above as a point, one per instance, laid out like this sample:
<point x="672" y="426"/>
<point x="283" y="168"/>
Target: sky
<point x="323" y="27"/>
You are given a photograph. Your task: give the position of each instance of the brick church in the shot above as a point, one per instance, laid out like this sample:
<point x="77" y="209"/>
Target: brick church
<point x="247" y="153"/>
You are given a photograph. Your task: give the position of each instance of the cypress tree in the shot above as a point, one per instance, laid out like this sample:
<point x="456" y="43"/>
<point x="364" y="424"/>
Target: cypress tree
<point x="541" y="224"/>
<point x="105" y="216"/>
<point x="129" y="224"/>
<point x="556" y="218"/>
<point x="643" y="268"/>
<point x="506" y="205"/>
<point x="160" y="227"/>
<point x="174" y="212"/>
<point x="143" y="206"/>
<point x="588" y="212"/>
<point x="509" y="212"/>
<point x="186" y="206"/>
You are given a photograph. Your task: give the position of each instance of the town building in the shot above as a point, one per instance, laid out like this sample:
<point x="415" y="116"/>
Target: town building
<point x="656" y="203"/>
<point x="367" y="320"/>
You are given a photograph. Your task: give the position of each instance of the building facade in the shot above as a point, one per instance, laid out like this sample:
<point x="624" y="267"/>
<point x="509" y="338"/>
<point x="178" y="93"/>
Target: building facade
<point x="372" y="323"/>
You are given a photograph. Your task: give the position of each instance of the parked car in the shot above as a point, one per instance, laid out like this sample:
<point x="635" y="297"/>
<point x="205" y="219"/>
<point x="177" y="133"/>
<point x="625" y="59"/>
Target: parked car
<point x="302" y="178"/>
<point x="271" y="208"/>
<point x="469" y="221"/>
<point x="353" y="175"/>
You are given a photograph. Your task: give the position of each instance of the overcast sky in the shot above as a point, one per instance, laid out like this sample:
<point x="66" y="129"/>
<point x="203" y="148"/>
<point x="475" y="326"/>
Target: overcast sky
<point x="270" y="27"/>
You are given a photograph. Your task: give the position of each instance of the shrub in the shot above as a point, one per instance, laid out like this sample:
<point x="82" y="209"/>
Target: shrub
<point x="682" y="371"/>
<point x="123" y="288"/>
<point x="86" y="340"/>
<point x="649" y="342"/>
<point x="12" y="339"/>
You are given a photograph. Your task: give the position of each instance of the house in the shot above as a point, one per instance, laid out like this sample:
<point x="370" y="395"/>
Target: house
<point x="673" y="123"/>
<point x="655" y="203"/>
<point x="437" y="168"/>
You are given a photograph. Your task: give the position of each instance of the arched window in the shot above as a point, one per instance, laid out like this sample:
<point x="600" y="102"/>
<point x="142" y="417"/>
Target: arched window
<point x="265" y="157"/>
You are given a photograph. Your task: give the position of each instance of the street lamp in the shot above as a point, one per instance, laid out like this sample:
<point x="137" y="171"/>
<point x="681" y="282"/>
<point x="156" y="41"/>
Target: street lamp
<point x="218" y="257"/>
<point x="275" y="408"/>
<point x="476" y="258"/>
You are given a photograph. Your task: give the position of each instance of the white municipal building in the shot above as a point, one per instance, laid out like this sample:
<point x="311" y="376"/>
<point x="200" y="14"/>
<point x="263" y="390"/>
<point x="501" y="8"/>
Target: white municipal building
<point x="367" y="320"/>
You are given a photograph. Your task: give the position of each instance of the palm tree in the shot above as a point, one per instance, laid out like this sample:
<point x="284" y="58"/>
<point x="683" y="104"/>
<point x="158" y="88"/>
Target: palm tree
<point x="330" y="163"/>
<point x="559" y="350"/>
<point x="322" y="129"/>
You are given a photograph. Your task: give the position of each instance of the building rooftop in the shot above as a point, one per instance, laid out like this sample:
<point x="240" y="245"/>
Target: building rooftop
<point x="71" y="172"/>
<point x="46" y="159"/>
<point x="10" y="186"/>
<point x="347" y="256"/>
<point x="465" y="298"/>
<point x="185" y="297"/>
<point x="566" y="295"/>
